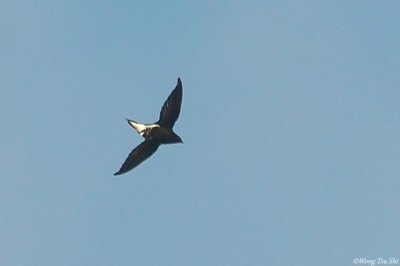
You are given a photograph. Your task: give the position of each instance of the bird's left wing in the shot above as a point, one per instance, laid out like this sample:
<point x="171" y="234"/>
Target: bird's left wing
<point x="138" y="155"/>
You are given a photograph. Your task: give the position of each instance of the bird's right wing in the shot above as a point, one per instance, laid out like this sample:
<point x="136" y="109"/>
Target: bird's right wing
<point x="138" y="155"/>
<point x="172" y="107"/>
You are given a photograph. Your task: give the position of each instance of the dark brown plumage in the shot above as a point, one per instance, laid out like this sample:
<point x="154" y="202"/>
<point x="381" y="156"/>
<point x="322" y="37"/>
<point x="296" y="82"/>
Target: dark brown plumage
<point x="156" y="134"/>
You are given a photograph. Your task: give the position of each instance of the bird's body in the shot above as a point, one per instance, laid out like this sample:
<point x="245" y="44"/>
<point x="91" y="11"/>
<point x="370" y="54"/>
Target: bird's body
<point x="156" y="134"/>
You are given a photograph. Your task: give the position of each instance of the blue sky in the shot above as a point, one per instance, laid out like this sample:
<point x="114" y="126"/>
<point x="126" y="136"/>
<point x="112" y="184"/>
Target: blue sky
<point x="290" y="120"/>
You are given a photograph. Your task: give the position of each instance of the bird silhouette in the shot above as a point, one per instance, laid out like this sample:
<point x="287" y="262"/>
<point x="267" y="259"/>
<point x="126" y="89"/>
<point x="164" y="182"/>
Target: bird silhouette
<point x="156" y="134"/>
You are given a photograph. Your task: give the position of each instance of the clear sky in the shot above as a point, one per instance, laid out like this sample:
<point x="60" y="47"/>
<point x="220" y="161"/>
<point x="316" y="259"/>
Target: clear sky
<point x="290" y="122"/>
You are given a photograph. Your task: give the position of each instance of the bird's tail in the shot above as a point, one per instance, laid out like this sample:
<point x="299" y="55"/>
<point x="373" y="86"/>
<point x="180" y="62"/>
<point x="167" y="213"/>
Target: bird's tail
<point x="137" y="126"/>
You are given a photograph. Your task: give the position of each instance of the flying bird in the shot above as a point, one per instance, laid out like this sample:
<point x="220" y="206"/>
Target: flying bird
<point x="156" y="134"/>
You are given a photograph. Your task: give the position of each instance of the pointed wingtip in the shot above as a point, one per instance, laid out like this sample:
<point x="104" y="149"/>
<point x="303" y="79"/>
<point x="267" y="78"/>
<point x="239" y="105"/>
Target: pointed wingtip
<point x="179" y="82"/>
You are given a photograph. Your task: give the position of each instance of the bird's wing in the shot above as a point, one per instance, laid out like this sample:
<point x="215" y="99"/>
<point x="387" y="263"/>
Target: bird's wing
<point x="172" y="107"/>
<point x="138" y="155"/>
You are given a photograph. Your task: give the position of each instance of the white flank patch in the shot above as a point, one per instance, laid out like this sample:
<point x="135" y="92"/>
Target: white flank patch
<point x="141" y="128"/>
<point x="152" y="126"/>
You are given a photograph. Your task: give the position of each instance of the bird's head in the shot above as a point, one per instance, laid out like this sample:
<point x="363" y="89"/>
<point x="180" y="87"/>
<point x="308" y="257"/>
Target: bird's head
<point x="176" y="139"/>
